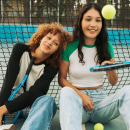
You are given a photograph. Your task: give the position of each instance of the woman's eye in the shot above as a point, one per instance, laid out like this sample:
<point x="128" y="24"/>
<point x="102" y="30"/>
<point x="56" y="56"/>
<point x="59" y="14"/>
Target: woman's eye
<point x="88" y="19"/>
<point x="98" y="20"/>
<point x="49" y="37"/>
<point x="56" y="43"/>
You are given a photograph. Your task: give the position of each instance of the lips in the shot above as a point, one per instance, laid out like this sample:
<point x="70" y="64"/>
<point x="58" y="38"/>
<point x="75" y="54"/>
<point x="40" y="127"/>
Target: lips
<point x="92" y="30"/>
<point x="47" y="47"/>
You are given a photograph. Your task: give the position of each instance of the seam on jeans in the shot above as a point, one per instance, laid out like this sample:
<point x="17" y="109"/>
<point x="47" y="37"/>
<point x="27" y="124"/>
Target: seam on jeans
<point x="92" y="114"/>
<point x="106" y="105"/>
<point x="51" y="119"/>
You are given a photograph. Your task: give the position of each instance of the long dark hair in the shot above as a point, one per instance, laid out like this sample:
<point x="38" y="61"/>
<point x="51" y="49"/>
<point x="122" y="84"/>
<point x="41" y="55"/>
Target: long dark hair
<point x="101" y="42"/>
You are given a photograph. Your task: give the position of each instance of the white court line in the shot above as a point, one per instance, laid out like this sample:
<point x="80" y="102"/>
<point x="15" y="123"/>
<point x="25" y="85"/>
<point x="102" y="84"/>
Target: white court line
<point x="2" y="69"/>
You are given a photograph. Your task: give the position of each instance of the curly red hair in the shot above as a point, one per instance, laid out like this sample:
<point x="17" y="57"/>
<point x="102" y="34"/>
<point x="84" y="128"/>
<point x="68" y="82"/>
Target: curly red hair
<point x="54" y="28"/>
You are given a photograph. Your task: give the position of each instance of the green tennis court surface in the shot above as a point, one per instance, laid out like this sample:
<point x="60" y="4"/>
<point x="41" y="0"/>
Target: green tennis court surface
<point x="116" y="124"/>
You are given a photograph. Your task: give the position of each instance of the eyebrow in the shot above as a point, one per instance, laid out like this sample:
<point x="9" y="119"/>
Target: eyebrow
<point x="90" y="16"/>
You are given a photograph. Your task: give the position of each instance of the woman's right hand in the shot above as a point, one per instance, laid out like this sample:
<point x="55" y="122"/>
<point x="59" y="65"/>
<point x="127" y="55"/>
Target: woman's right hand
<point x="87" y="102"/>
<point x="3" y="110"/>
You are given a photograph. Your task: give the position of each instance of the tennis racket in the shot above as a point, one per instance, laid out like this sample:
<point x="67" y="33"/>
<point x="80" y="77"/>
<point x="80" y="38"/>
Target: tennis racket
<point x="11" y="118"/>
<point x="108" y="67"/>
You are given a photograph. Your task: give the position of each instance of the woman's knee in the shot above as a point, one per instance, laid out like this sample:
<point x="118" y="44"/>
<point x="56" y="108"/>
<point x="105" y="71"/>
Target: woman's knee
<point x="69" y="95"/>
<point x="45" y="99"/>
<point x="67" y="91"/>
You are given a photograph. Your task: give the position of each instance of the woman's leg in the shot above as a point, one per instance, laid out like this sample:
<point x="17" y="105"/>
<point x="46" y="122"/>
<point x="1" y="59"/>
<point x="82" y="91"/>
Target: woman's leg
<point x="70" y="109"/>
<point x="113" y="106"/>
<point x="41" y="114"/>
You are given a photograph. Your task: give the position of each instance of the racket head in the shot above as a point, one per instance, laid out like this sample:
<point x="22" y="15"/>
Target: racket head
<point x="108" y="67"/>
<point x="12" y="118"/>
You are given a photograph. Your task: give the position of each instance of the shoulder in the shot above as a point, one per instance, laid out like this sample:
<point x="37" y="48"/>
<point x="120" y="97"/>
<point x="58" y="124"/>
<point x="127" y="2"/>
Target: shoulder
<point x="19" y="49"/>
<point x="71" y="47"/>
<point x="110" y="49"/>
<point x="20" y="46"/>
<point x="50" y="71"/>
<point x="49" y="67"/>
<point x="110" y="44"/>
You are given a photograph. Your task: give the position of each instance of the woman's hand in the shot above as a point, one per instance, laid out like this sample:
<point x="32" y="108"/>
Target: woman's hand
<point x="111" y="74"/>
<point x="3" y="110"/>
<point x="1" y="116"/>
<point x="87" y="102"/>
<point x="106" y="62"/>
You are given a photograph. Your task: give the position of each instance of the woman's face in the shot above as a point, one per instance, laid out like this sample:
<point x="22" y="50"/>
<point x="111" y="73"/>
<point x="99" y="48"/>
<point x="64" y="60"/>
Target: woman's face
<point x="50" y="43"/>
<point x="91" y="23"/>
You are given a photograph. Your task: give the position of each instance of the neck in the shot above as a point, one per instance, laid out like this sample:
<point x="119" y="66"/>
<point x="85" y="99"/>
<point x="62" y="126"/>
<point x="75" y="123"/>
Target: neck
<point x="39" y="56"/>
<point x="89" y="41"/>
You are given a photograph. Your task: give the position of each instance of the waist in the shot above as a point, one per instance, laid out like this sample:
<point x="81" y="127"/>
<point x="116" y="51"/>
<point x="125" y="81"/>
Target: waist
<point x="94" y="87"/>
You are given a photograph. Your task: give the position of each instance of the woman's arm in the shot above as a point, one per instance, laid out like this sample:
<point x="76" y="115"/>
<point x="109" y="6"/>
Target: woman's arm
<point x="11" y="73"/>
<point x="39" y="88"/>
<point x="62" y="79"/>
<point x="112" y="75"/>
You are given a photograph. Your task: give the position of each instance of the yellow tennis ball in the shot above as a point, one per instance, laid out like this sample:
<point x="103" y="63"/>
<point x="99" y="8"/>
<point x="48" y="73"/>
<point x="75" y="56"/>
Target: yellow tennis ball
<point x="108" y="11"/>
<point x="98" y="126"/>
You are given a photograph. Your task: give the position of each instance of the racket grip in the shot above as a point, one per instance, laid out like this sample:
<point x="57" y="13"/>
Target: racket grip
<point x="92" y="68"/>
<point x="30" y="65"/>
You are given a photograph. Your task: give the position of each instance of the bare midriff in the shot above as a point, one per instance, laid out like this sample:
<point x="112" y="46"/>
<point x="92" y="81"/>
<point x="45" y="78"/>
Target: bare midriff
<point x="95" y="87"/>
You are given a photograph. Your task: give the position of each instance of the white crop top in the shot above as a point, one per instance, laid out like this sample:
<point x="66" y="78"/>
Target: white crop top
<point x="80" y="75"/>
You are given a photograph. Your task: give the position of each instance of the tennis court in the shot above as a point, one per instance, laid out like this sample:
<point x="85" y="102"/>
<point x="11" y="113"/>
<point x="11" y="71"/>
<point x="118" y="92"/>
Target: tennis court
<point x="20" y="19"/>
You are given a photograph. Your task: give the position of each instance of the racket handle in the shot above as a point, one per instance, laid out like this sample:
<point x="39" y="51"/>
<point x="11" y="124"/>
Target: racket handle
<point x="30" y="65"/>
<point x="92" y="68"/>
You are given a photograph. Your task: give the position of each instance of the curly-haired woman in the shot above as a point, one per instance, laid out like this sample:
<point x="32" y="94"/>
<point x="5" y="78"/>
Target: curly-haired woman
<point x="83" y="98"/>
<point x="46" y="45"/>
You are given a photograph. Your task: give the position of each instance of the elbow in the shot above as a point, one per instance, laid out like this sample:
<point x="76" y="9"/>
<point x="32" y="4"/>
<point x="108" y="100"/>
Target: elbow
<point x="114" y="82"/>
<point x="60" y="82"/>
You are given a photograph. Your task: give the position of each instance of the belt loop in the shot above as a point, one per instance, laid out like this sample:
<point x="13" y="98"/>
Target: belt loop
<point x="96" y="90"/>
<point x="87" y="92"/>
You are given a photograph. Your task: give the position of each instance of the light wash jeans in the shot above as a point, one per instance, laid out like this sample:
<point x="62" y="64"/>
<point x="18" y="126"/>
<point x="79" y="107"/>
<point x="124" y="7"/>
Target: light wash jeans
<point x="72" y="113"/>
<point x="41" y="113"/>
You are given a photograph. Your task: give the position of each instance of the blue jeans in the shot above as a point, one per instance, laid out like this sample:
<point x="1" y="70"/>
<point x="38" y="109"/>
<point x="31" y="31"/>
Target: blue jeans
<point x="41" y="113"/>
<point x="106" y="108"/>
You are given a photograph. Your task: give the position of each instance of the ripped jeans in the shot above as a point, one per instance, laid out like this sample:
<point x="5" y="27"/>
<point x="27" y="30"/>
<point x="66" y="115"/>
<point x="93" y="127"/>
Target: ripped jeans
<point x="106" y="108"/>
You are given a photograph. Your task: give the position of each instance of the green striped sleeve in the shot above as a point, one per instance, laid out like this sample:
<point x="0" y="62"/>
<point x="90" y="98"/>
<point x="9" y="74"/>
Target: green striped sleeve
<point x="110" y="48"/>
<point x="65" y="55"/>
<point x="69" y="50"/>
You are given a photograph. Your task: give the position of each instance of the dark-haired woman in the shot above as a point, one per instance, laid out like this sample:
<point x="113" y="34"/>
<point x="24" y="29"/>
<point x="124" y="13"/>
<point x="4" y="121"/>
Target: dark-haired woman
<point x="83" y="98"/>
<point x="46" y="45"/>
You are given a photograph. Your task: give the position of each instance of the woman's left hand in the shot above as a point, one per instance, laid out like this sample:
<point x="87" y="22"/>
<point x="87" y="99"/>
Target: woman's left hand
<point x="112" y="75"/>
<point x="106" y="62"/>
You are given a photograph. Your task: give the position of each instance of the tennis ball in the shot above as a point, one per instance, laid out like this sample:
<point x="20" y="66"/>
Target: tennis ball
<point x="98" y="126"/>
<point x="108" y="11"/>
